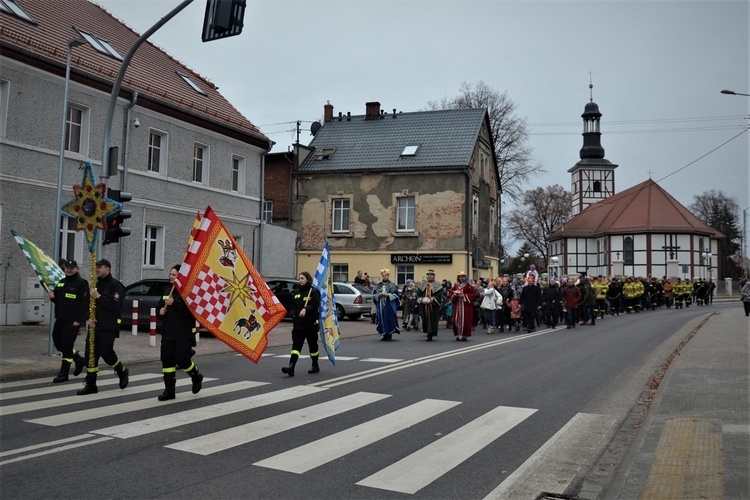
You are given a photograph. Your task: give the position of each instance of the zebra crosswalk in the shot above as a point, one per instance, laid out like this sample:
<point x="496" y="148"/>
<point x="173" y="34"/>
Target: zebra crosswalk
<point x="409" y="474"/>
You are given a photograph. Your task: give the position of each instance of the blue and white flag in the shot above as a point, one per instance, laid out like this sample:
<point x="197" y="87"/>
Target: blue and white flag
<point x="329" y="321"/>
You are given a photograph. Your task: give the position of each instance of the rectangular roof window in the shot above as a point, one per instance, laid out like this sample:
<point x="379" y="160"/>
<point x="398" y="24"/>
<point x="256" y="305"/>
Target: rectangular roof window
<point x="409" y="151"/>
<point x="100" y="44"/>
<point x="325" y="154"/>
<point x="12" y="8"/>
<point x="194" y="85"/>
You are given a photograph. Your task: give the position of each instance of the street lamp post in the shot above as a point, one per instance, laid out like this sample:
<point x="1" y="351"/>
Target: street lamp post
<point x="732" y="92"/>
<point x="707" y="259"/>
<point x="75" y="42"/>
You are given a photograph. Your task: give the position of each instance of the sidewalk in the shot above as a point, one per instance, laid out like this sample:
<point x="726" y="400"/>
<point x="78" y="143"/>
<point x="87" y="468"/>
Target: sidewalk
<point x="24" y="349"/>
<point x="695" y="440"/>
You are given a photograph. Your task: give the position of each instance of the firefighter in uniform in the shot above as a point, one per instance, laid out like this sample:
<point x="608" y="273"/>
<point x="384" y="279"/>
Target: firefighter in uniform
<point x="108" y="295"/>
<point x="177" y="338"/>
<point x="305" y="326"/>
<point x="600" y="287"/>
<point x="71" y="299"/>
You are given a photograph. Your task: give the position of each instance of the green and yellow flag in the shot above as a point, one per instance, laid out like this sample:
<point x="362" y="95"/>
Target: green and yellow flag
<point x="46" y="269"/>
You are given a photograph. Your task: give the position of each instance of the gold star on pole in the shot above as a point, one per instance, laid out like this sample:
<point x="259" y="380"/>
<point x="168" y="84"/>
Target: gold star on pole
<point x="90" y="207"/>
<point x="238" y="289"/>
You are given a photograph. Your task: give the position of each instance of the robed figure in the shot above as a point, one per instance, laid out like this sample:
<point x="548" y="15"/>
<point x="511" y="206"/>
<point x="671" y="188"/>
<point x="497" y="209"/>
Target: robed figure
<point x="430" y="294"/>
<point x="462" y="297"/>
<point x="385" y="296"/>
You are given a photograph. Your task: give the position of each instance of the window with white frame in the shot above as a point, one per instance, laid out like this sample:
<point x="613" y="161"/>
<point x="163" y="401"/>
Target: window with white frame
<point x="475" y="215"/>
<point x="238" y="174"/>
<point x="403" y="273"/>
<point x="12" y="8"/>
<point x="405" y="213"/>
<point x="4" y="96"/>
<point x="200" y="163"/>
<point x="340" y="215"/>
<point x="153" y="246"/>
<point x="267" y="211"/>
<point x="340" y="272"/>
<point x="76" y="129"/>
<point x="157" y="151"/>
<point x="71" y="240"/>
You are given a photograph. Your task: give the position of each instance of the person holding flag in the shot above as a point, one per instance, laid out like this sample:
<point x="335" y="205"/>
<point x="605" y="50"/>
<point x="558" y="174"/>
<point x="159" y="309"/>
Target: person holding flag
<point x="71" y="299"/>
<point x="177" y="339"/>
<point x="305" y="323"/>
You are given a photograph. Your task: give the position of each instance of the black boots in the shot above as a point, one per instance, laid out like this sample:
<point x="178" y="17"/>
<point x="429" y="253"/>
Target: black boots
<point x="289" y="370"/>
<point x="197" y="378"/>
<point x="170" y="382"/>
<point x="62" y="376"/>
<point x="315" y="368"/>
<point x="90" y="387"/>
<point x="122" y="373"/>
<point x="79" y="361"/>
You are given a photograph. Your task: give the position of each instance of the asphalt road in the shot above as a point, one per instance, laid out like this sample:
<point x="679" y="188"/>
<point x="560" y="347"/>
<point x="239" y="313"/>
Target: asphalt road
<point x="500" y="416"/>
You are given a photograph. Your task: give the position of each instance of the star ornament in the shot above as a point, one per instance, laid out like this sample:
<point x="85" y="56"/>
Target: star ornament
<point x="90" y="206"/>
<point x="239" y="289"/>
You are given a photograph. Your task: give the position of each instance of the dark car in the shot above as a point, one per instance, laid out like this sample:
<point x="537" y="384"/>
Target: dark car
<point x="147" y="293"/>
<point x="284" y="289"/>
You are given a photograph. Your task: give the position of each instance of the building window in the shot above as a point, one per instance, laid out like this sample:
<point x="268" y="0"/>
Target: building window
<point x="340" y="272"/>
<point x="475" y="215"/>
<point x="76" y="130"/>
<point x="157" y="151"/>
<point x="405" y="213"/>
<point x="627" y="251"/>
<point x="200" y="163"/>
<point x="325" y="154"/>
<point x="192" y="84"/>
<point x="410" y="150"/>
<point x="403" y="273"/>
<point x="597" y="186"/>
<point x="238" y="174"/>
<point x="12" y="8"/>
<point x="102" y="46"/>
<point x="153" y="247"/>
<point x="340" y="215"/>
<point x="71" y="240"/>
<point x="267" y="211"/>
<point x="4" y="96"/>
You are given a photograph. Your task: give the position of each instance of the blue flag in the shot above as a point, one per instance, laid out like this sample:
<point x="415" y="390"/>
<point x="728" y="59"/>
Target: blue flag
<point x="329" y="322"/>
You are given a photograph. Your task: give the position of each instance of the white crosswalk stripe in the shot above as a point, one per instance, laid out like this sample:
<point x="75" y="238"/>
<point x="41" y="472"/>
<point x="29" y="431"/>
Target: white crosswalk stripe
<point x="330" y="448"/>
<point x="422" y="467"/>
<point x="143" y="404"/>
<point x="66" y="388"/>
<point x="243" y="434"/>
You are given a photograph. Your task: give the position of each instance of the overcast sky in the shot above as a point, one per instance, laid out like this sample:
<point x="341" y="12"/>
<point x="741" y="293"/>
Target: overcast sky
<point x="657" y="68"/>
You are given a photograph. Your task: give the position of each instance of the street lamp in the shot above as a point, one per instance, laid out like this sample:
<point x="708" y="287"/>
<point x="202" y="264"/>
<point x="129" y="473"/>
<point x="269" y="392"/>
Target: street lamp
<point x="707" y="258"/>
<point x="75" y="42"/>
<point x="732" y="92"/>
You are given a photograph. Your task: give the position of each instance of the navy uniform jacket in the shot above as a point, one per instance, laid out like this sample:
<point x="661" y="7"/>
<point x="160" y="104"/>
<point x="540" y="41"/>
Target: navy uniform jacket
<point x="72" y="299"/>
<point x="109" y="305"/>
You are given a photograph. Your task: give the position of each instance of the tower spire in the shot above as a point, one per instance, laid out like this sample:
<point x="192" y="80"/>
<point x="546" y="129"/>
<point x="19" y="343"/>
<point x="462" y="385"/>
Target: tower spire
<point x="591" y="88"/>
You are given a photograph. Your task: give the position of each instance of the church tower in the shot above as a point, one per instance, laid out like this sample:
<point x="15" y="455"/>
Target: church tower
<point x="593" y="177"/>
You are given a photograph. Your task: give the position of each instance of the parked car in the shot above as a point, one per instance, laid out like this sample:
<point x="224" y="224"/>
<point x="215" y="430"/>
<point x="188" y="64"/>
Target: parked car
<point x="284" y="289"/>
<point x="147" y="293"/>
<point x="352" y="300"/>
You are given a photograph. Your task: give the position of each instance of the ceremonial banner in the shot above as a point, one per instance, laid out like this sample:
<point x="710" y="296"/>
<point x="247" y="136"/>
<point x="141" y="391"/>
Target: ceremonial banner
<point x="46" y="269"/>
<point x="224" y="291"/>
<point x="329" y="322"/>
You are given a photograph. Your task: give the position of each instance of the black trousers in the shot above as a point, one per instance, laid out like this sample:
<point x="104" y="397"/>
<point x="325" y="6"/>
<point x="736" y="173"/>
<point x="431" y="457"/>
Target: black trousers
<point x="104" y="347"/>
<point x="177" y="352"/>
<point x="64" y="336"/>
<point x="299" y="335"/>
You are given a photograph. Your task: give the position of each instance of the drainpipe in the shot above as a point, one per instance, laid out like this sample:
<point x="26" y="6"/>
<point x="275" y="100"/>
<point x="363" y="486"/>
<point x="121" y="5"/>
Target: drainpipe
<point x="262" y="203"/>
<point x="124" y="181"/>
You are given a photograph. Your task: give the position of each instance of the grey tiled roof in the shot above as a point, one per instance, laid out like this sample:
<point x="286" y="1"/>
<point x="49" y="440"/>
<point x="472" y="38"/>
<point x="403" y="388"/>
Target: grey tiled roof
<point x="446" y="140"/>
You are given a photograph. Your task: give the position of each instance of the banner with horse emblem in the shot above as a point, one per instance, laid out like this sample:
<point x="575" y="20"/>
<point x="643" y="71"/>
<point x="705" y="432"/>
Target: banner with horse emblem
<point x="225" y="292"/>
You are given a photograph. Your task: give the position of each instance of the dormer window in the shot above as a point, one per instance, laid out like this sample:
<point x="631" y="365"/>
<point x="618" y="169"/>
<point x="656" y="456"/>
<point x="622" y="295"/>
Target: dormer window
<point x="410" y="150"/>
<point x="12" y="8"/>
<point x="325" y="154"/>
<point x="192" y="84"/>
<point x="100" y="45"/>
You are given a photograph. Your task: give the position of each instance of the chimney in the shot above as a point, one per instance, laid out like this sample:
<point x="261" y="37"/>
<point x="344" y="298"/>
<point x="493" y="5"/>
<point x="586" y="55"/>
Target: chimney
<point x="372" y="110"/>
<point x="327" y="112"/>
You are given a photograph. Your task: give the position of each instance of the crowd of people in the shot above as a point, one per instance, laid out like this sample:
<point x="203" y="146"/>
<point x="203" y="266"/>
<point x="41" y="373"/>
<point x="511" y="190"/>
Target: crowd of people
<point x="526" y="303"/>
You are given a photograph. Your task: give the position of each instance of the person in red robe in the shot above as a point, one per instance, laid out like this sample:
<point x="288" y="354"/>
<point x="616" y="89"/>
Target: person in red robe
<point x="462" y="297"/>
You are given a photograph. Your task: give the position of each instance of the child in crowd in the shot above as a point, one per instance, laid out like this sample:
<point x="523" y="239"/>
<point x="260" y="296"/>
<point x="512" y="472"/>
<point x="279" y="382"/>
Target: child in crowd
<point x="515" y="311"/>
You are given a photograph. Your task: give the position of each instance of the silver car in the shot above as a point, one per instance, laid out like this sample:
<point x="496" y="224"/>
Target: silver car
<point x="352" y="300"/>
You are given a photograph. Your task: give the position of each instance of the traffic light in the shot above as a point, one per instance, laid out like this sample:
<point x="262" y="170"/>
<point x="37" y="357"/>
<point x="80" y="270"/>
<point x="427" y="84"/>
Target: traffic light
<point x="223" y="18"/>
<point x="115" y="230"/>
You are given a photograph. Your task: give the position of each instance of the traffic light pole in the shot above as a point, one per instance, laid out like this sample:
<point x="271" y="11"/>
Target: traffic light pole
<point x="116" y="92"/>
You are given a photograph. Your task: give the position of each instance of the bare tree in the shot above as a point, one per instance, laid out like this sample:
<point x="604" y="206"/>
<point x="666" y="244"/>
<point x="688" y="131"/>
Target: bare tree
<point x="509" y="134"/>
<point x="721" y="212"/>
<point x="541" y="211"/>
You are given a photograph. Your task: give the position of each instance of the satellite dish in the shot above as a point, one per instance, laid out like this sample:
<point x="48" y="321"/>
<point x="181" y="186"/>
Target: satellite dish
<point x="315" y="127"/>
